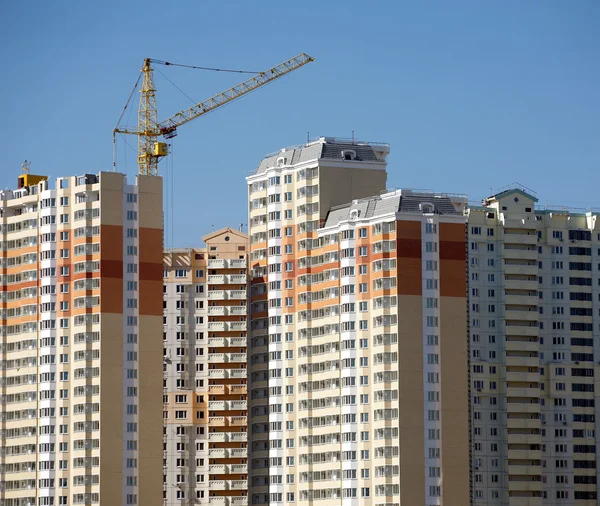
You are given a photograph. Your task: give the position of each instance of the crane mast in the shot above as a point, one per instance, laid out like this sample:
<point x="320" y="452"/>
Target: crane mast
<point x="149" y="130"/>
<point x="147" y="123"/>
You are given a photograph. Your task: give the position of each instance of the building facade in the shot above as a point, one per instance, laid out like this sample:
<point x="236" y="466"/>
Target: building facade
<point x="534" y="316"/>
<point x="358" y="311"/>
<point x="205" y="393"/>
<point x="80" y="307"/>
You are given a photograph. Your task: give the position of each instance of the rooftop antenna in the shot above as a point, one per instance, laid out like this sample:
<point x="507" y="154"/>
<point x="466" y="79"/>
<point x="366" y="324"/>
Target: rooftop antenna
<point x="241" y="227"/>
<point x="307" y="137"/>
<point x="352" y="136"/>
<point x="25" y="167"/>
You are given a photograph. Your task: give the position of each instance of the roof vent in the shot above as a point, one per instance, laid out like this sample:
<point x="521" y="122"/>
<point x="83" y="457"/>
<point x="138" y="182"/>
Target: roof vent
<point x="349" y="154"/>
<point x="354" y="214"/>
<point x="426" y="207"/>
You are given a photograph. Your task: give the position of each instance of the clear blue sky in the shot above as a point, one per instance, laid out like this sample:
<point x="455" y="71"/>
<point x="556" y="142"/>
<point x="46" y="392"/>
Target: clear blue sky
<point x="471" y="95"/>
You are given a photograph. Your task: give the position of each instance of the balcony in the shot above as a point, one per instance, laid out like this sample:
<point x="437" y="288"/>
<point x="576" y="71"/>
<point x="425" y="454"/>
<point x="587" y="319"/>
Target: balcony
<point x="523" y="392"/>
<point x="522" y="376"/>
<point x="521" y="470"/>
<point x="218" y="405"/>
<point x="218" y="485"/>
<point x="521" y="254"/>
<point x="522" y="346"/>
<point x="237" y="373"/>
<point x="239" y="485"/>
<point x="217" y="389"/>
<point x="238" y="405"/>
<point x="217" y="358"/>
<point x="238" y="342"/>
<point x="217" y="326"/>
<point x="218" y="342"/>
<point x="237" y="294"/>
<point x="238" y="453"/>
<point x="239" y="263"/>
<point x="216" y="311"/>
<point x="218" y="437"/>
<point x="238" y="421"/>
<point x="522" y="330"/>
<point x="524" y="454"/>
<point x="238" y="437"/>
<point x="217" y="294"/>
<point x="523" y="439"/>
<point x="238" y="389"/>
<point x="239" y="326"/>
<point x="238" y="357"/>
<point x="218" y="373"/>
<point x="219" y="500"/>
<point x="216" y="263"/>
<point x="239" y="501"/>
<point x="524" y="315"/>
<point x="237" y="310"/>
<point x="523" y="408"/>
<point x="217" y="279"/>
<point x="218" y="421"/>
<point x="239" y="468"/>
<point x="520" y="284"/>
<point x="218" y="469"/>
<point x="524" y="486"/>
<point x="521" y="269"/>
<point x="520" y="238"/>
<point x="520" y="423"/>
<point x="237" y="279"/>
<point x="218" y="453"/>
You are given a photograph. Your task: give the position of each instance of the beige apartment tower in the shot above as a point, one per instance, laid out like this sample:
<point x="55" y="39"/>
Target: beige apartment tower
<point x="534" y="318"/>
<point x="205" y="455"/>
<point x="80" y="344"/>
<point x="358" y="373"/>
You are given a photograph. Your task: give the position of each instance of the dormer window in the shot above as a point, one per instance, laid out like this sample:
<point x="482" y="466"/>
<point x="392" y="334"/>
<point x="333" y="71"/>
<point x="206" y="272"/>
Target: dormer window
<point x="426" y="207"/>
<point x="349" y="154"/>
<point x="281" y="161"/>
<point x="354" y="214"/>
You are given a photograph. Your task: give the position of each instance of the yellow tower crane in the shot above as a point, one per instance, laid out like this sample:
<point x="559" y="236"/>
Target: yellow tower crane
<point x="149" y="130"/>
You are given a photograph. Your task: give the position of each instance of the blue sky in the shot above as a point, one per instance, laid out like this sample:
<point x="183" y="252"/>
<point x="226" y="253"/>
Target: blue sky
<point x="471" y="95"/>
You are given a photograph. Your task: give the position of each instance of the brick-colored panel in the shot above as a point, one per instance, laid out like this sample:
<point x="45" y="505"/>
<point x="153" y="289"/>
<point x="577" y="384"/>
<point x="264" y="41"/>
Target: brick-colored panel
<point x="151" y="272"/>
<point x="454" y="232"/>
<point x="151" y="244"/>
<point x="455" y="395"/>
<point x="411" y="403"/>
<point x="409" y="276"/>
<point x="151" y="301"/>
<point x="111" y="242"/>
<point x="109" y="269"/>
<point x="453" y="250"/>
<point x="408" y="248"/>
<point x="453" y="278"/>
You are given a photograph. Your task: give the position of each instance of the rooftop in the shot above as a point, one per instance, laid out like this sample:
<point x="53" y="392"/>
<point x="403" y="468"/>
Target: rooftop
<point x="403" y="201"/>
<point x="332" y="148"/>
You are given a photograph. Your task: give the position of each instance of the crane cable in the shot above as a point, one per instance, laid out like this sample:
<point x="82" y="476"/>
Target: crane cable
<point x="183" y="92"/>
<point x="170" y="64"/>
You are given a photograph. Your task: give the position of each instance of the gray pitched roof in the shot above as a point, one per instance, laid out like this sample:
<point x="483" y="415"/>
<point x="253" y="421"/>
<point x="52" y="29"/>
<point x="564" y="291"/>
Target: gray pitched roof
<point x="324" y="148"/>
<point x="403" y="201"/>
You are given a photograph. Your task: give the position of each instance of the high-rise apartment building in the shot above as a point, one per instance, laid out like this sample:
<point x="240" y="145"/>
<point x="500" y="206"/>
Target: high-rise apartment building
<point x="205" y="395"/>
<point x="358" y="352"/>
<point x="80" y="310"/>
<point x="534" y="311"/>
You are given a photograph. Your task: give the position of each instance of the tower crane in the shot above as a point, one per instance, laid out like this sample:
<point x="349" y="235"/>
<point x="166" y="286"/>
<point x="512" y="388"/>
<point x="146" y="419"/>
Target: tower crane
<point x="149" y="130"/>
